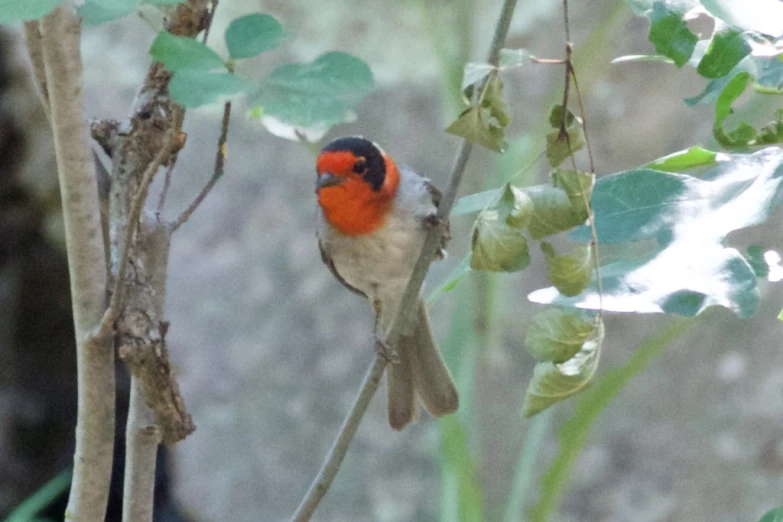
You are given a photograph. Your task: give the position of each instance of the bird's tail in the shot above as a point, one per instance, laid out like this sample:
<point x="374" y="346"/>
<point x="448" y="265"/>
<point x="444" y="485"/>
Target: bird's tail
<point x="420" y="372"/>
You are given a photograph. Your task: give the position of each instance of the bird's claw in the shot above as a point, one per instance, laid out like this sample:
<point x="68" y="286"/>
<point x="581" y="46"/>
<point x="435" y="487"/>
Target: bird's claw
<point x="382" y="349"/>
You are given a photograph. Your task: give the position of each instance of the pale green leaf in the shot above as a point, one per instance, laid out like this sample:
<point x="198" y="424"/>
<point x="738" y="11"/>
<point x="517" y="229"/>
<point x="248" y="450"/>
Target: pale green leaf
<point x="553" y="382"/>
<point x="180" y="52"/>
<point x="496" y="245"/>
<point x="252" y="35"/>
<point x="193" y="87"/>
<point x="687" y="159"/>
<point x="570" y="273"/>
<point x="560" y="145"/>
<point x="16" y="10"/>
<point x="316" y="94"/>
<point x="474" y="125"/>
<point x="556" y="335"/>
<point x="509" y="58"/>
<point x="475" y="73"/>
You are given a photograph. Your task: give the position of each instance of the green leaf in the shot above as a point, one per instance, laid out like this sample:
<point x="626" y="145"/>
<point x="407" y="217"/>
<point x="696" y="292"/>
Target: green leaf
<point x="510" y="58"/>
<point x="772" y="132"/>
<point x="592" y="403"/>
<point x="744" y="133"/>
<point x="496" y="245"/>
<point x="474" y="125"/>
<point x="194" y="87"/>
<point x="559" y="207"/>
<point x="727" y="48"/>
<point x="556" y="335"/>
<point x="686" y="159"/>
<point x="763" y="16"/>
<point x="559" y="145"/>
<point x="553" y="382"/>
<point x="252" y="35"/>
<point x="319" y="93"/>
<point x="515" y="206"/>
<point x="773" y="515"/>
<point x="180" y="52"/>
<point x="494" y="102"/>
<point x="670" y="34"/>
<point x="688" y="268"/>
<point x="570" y="273"/>
<point x="16" y="10"/>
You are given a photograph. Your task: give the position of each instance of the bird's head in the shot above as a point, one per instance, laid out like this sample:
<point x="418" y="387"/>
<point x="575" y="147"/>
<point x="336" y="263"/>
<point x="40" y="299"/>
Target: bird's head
<point x="356" y="185"/>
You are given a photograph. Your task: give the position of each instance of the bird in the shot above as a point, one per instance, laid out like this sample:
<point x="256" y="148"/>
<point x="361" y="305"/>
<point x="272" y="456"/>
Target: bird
<point x="373" y="217"/>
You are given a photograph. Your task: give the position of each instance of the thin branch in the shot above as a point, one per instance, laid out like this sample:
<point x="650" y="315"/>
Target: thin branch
<point x="110" y="316"/>
<point x="584" y="120"/>
<point x="567" y="24"/>
<point x="220" y="161"/>
<point x="164" y="192"/>
<point x="142" y="438"/>
<point x="61" y="32"/>
<point x="331" y="465"/>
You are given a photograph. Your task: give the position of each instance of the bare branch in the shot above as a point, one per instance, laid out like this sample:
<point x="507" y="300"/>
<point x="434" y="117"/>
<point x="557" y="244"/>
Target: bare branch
<point x="331" y="465"/>
<point x="142" y="438"/>
<point x="61" y="32"/>
<point x="220" y="161"/>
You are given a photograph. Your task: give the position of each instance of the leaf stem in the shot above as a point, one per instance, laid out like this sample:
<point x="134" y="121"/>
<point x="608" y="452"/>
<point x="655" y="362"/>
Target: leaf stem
<point x="331" y="465"/>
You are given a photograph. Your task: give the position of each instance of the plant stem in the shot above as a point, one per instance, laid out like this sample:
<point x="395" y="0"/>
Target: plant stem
<point x="331" y="465"/>
<point x="61" y="32"/>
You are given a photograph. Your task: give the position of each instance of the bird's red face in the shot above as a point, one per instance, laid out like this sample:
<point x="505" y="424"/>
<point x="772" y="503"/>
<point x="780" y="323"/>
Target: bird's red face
<point x="356" y="185"/>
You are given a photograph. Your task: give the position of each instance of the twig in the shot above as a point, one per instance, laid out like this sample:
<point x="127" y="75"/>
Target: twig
<point x="164" y="192"/>
<point x="584" y="120"/>
<point x="142" y="437"/>
<point x="331" y="465"/>
<point x="127" y="241"/>
<point x="220" y="161"/>
<point x="61" y="31"/>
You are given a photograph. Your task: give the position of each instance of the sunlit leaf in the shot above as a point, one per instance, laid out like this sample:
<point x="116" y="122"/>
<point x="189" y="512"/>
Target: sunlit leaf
<point x="560" y="145"/>
<point x="553" y="382"/>
<point x="570" y="273"/>
<point x="670" y="34"/>
<point x="727" y="48"/>
<point x="15" y="10"/>
<point x="688" y="267"/>
<point x="744" y="133"/>
<point x="193" y="87"/>
<point x="319" y="93"/>
<point x="763" y="16"/>
<point x="181" y="52"/>
<point x="557" y="335"/>
<point x="642" y="58"/>
<point x="686" y="159"/>
<point x="252" y="35"/>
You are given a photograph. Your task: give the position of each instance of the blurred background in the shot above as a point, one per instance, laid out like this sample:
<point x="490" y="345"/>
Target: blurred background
<point x="270" y="349"/>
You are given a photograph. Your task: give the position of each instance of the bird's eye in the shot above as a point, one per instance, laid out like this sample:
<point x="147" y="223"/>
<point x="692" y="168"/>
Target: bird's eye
<point x="360" y="166"/>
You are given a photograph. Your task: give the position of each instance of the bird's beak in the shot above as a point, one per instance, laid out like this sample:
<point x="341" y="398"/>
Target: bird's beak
<point x="327" y="179"/>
